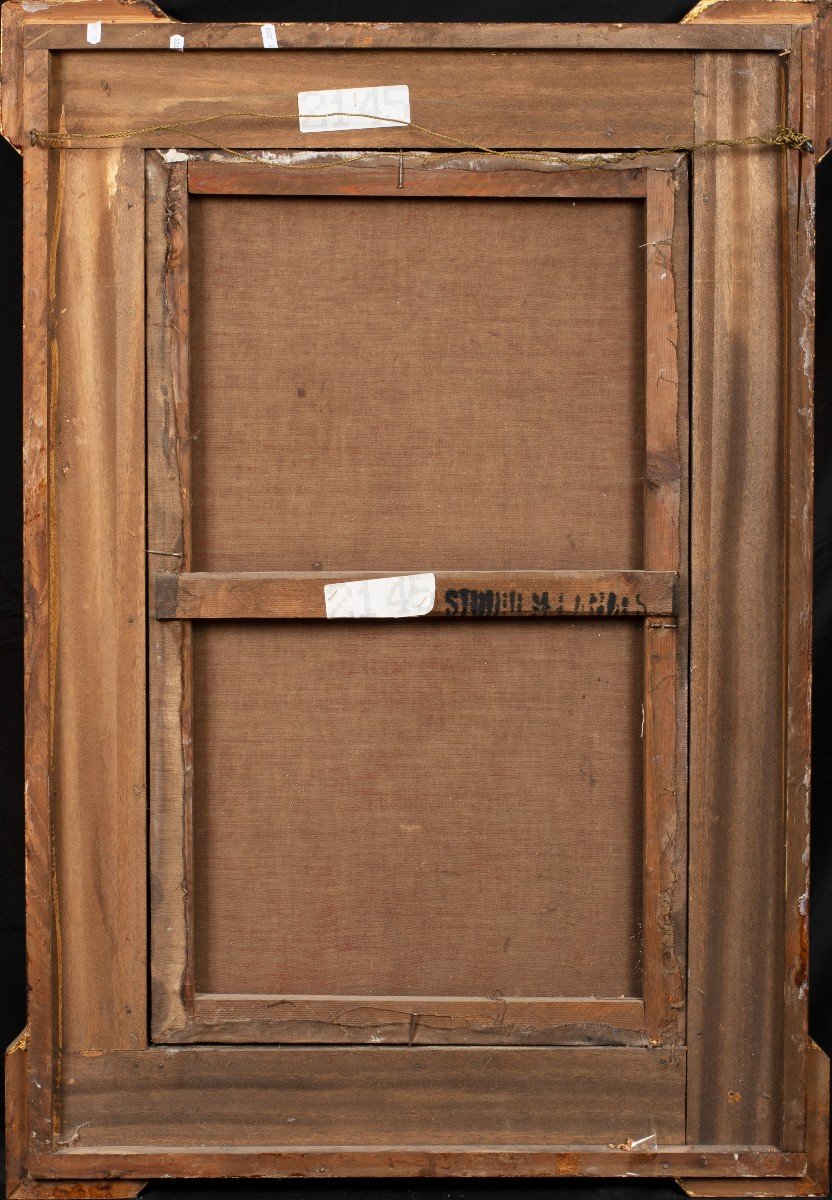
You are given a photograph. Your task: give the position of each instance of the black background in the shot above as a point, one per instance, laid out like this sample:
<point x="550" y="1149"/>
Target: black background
<point x="12" y="960"/>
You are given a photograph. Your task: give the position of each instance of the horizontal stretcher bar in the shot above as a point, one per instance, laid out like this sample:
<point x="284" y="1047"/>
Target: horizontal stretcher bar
<point x="449" y="594"/>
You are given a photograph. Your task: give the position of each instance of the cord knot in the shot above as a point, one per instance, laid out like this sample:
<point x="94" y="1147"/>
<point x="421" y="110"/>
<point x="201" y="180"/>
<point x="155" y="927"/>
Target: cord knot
<point x="792" y="139"/>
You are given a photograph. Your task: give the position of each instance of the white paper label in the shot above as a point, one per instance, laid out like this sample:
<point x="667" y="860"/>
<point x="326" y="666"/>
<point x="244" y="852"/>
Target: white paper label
<point x="93" y="32"/>
<point x="395" y="596"/>
<point x="317" y="109"/>
<point x="269" y="35"/>
<point x="177" y="42"/>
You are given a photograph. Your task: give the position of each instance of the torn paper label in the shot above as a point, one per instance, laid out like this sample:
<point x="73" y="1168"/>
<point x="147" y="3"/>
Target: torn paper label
<point x="394" y="596"/>
<point x="93" y="32"/>
<point x="269" y="36"/>
<point x="177" y="42"/>
<point x="374" y="108"/>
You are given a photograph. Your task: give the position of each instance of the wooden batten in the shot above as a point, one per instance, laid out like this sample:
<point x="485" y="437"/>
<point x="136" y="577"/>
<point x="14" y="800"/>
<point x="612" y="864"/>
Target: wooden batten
<point x="169" y="537"/>
<point x="265" y="596"/>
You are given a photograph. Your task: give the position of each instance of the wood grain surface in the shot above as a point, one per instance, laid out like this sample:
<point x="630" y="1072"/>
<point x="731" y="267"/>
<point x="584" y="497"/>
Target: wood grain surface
<point x="427" y="1161"/>
<point x="417" y="1020"/>
<point x="459" y="594"/>
<point x="353" y="173"/>
<point x="11" y="73"/>
<point x="737" y="665"/>
<point x="100" y="733"/>
<point x="808" y="107"/>
<point x="665" y="659"/>
<point x="57" y="27"/>
<point x="364" y="1096"/>
<point x="43" y="176"/>
<point x="515" y="98"/>
<point x="169" y="547"/>
<point x="745" y="14"/>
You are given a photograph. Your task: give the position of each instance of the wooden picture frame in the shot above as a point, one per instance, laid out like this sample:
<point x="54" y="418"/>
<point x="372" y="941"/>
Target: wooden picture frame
<point x="135" y="1063"/>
